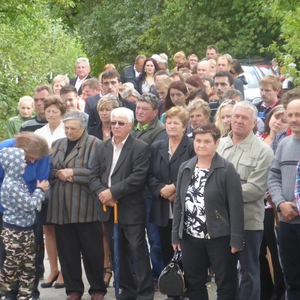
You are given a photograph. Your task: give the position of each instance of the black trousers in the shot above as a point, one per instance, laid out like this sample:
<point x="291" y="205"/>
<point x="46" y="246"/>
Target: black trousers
<point x="166" y="243"/>
<point x="198" y="255"/>
<point x="132" y="247"/>
<point x="74" y="240"/>
<point x="269" y="290"/>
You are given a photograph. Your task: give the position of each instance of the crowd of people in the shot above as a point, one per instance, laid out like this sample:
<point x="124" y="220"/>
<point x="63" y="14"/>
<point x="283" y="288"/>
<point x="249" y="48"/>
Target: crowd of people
<point x="119" y="171"/>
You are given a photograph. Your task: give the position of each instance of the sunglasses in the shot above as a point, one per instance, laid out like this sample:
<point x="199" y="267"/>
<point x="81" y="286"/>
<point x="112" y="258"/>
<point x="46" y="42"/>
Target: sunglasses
<point x="120" y="123"/>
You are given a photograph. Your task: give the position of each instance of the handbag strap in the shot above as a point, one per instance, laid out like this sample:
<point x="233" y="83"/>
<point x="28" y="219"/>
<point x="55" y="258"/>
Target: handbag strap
<point x="177" y="256"/>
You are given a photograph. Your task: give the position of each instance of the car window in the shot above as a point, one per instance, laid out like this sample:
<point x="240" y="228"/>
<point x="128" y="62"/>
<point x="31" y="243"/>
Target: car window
<point x="251" y="77"/>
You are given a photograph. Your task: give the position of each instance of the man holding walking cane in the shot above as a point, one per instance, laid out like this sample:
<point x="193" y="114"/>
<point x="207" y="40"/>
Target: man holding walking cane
<point x="118" y="174"/>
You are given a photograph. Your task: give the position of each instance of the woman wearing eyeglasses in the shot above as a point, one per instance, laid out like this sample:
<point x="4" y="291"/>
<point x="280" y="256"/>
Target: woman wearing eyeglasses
<point x="55" y="108"/>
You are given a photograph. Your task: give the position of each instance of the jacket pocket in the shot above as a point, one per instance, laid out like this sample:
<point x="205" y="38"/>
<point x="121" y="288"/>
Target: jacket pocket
<point x="246" y="167"/>
<point x="218" y="216"/>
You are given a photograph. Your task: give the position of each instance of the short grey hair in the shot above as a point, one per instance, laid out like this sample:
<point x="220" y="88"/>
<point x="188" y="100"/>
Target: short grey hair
<point x="26" y="98"/>
<point x="150" y="99"/>
<point x="249" y="105"/>
<point x="81" y="59"/>
<point x="61" y="78"/>
<point x="230" y="94"/>
<point x="130" y="92"/>
<point x="123" y="112"/>
<point x="75" y="115"/>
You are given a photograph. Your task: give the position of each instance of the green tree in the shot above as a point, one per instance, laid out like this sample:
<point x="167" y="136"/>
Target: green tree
<point x="287" y="46"/>
<point x="34" y="49"/>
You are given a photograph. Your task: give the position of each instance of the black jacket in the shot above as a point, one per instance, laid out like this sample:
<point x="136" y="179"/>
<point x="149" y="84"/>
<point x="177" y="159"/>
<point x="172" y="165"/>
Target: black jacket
<point x="223" y="200"/>
<point x="164" y="171"/>
<point x="128" y="75"/>
<point x="94" y="118"/>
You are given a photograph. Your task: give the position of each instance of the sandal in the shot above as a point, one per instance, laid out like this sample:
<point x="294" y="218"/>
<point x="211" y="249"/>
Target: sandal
<point x="107" y="271"/>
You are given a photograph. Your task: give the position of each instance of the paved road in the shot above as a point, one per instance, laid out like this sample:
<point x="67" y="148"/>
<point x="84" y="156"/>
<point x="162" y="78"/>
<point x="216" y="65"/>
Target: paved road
<point x="59" y="294"/>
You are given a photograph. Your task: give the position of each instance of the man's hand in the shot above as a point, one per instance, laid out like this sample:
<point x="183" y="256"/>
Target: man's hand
<point x="64" y="174"/>
<point x="172" y="197"/>
<point x="288" y="212"/>
<point x="106" y="197"/>
<point x="167" y="191"/>
<point x="234" y="250"/>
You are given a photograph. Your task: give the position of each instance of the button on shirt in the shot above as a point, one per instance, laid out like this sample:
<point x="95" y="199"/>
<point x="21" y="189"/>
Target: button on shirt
<point x="116" y="154"/>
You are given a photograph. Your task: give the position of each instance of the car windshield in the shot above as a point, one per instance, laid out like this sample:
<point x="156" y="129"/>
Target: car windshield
<point x="251" y="77"/>
<point x="266" y="71"/>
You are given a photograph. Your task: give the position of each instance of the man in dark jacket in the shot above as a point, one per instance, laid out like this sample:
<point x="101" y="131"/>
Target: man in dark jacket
<point x="130" y="73"/>
<point x="110" y="85"/>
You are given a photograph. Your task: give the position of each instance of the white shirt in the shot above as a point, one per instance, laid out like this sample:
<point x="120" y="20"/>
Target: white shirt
<point x="79" y="82"/>
<point x="137" y="74"/>
<point x="116" y="155"/>
<point x="49" y="136"/>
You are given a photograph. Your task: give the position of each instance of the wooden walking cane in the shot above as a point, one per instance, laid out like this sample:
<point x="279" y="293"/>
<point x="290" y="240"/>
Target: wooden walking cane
<point x="115" y="211"/>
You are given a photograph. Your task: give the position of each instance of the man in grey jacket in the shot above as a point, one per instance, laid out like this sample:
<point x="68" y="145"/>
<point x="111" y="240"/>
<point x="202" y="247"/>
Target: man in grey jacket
<point x="282" y="179"/>
<point x="252" y="159"/>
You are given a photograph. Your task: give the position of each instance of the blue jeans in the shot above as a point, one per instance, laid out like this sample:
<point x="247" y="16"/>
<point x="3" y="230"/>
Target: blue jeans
<point x="289" y="244"/>
<point x="154" y="241"/>
<point x="250" y="268"/>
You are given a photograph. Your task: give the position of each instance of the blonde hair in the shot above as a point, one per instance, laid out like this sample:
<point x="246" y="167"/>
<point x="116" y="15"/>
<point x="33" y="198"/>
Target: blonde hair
<point x="179" y="112"/>
<point x="199" y="104"/>
<point x="108" y="99"/>
<point x="218" y="120"/>
<point x="26" y="98"/>
<point x="164" y="83"/>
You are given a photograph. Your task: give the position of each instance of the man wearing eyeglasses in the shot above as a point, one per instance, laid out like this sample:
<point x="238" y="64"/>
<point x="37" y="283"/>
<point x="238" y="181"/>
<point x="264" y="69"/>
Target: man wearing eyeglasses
<point x="118" y="175"/>
<point x="111" y="84"/>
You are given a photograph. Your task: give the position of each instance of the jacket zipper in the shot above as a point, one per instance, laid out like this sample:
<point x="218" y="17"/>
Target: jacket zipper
<point x="222" y="218"/>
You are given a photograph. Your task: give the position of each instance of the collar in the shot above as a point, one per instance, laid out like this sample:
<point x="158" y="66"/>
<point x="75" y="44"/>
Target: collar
<point x="270" y="107"/>
<point x="139" y="127"/>
<point x="244" y="144"/>
<point x="136" y="72"/>
<point x="80" y="80"/>
<point x="122" y="143"/>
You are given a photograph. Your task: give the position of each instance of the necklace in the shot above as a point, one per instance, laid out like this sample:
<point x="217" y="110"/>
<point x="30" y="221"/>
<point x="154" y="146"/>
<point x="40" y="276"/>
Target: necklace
<point x="106" y="133"/>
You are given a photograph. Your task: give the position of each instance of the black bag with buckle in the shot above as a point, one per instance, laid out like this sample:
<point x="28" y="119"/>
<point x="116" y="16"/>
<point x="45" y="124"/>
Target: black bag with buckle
<point x="171" y="280"/>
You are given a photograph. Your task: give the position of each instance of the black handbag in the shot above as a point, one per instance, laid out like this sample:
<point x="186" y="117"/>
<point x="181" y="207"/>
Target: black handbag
<point x="171" y="281"/>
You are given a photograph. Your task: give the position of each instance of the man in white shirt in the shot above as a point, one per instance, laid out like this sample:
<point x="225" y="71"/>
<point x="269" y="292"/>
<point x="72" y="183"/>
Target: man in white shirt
<point x="82" y="70"/>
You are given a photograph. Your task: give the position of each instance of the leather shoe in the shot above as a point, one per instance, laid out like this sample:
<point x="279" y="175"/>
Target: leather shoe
<point x="73" y="296"/>
<point x="97" y="296"/>
<point x="50" y="283"/>
<point x="59" y="285"/>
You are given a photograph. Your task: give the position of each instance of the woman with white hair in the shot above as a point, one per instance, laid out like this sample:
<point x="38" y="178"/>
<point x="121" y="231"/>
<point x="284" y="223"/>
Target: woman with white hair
<point x="73" y="208"/>
<point x="25" y="108"/>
